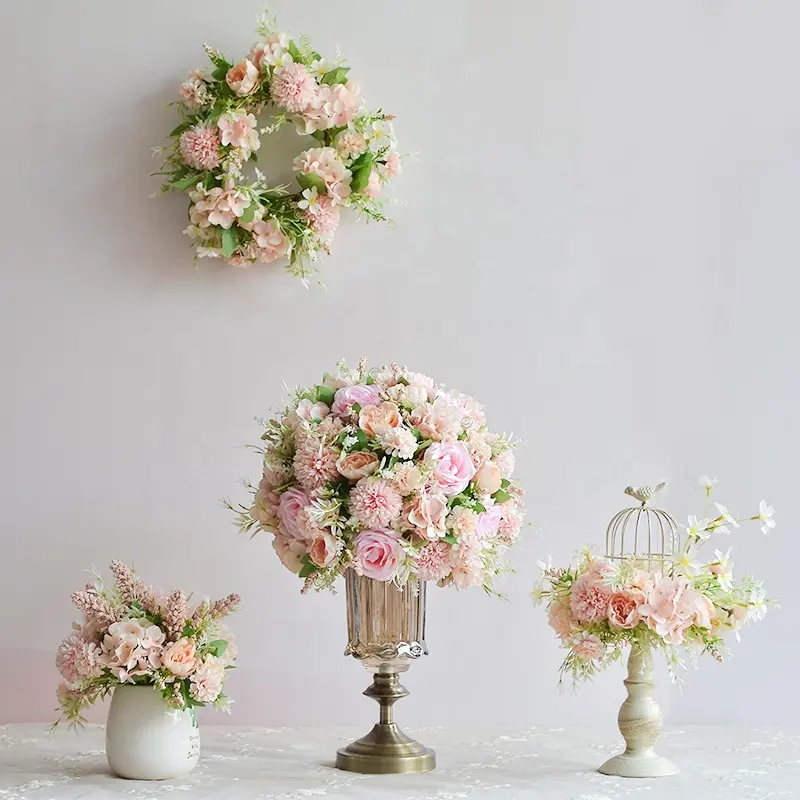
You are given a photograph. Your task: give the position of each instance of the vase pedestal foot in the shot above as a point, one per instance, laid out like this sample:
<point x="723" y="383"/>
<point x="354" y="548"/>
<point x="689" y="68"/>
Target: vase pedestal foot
<point x="639" y="765"/>
<point x="386" y="750"/>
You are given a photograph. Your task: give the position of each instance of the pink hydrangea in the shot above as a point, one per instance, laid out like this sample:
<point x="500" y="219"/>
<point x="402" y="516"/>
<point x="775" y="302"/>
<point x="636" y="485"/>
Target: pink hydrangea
<point x="589" y="598"/>
<point x="271" y="241"/>
<point x="272" y="50"/>
<point x="672" y="605"/>
<point x="132" y="647"/>
<point x="292" y="88"/>
<point x="207" y="680"/>
<point x="325" y="163"/>
<point x="434" y="561"/>
<point x="239" y="130"/>
<point x="218" y="206"/>
<point x="325" y="220"/>
<point x="78" y="659"/>
<point x="199" y="147"/>
<point x="375" y="503"/>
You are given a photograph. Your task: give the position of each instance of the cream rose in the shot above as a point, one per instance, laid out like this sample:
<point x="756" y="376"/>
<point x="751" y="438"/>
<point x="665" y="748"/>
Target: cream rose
<point x="357" y="465"/>
<point x="179" y="658"/>
<point x="489" y="478"/>
<point x="243" y="78"/>
<point x="377" y="420"/>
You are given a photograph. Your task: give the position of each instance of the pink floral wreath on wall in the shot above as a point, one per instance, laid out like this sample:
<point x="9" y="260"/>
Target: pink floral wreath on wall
<point x="244" y="220"/>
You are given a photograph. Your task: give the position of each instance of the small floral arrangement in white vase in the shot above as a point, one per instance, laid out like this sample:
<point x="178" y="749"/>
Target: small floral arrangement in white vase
<point x="160" y="656"/>
<point x="685" y="606"/>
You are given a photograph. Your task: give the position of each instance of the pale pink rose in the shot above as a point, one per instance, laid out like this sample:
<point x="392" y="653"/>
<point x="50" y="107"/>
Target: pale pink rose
<point x="489" y="478"/>
<point x="488" y="523"/>
<point x="434" y="561"/>
<point x="239" y="130"/>
<point x="560" y="618"/>
<point x="290" y="551"/>
<point x="623" y="609"/>
<point x="350" y="144"/>
<point x="373" y="187"/>
<point x="427" y="512"/>
<point x="393" y="165"/>
<point x="378" y="554"/>
<point x="357" y="465"/>
<point x="292" y="87"/>
<point x="376" y="420"/>
<point x="180" y="657"/>
<point x="452" y="467"/>
<point x="407" y="478"/>
<point x="312" y="412"/>
<point x="347" y="396"/>
<point x="206" y="683"/>
<point x="243" y="78"/>
<point x="324" y="549"/>
<point x="375" y="503"/>
<point x="589" y="598"/>
<point x="292" y="501"/>
<point x="271" y="241"/>
<point x="588" y="647"/>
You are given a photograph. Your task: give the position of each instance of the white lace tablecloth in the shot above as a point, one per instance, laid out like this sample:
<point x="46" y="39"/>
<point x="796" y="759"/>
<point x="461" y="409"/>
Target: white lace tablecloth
<point x="262" y="764"/>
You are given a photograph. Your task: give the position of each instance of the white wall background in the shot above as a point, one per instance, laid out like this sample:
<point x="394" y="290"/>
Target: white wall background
<point x="600" y="242"/>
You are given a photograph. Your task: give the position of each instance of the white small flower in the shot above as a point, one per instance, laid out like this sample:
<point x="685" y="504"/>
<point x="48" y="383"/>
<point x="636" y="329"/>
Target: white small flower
<point x="310" y="201"/>
<point x="209" y="252"/>
<point x="725" y="518"/>
<point x="381" y="135"/>
<point x="758" y="604"/>
<point x="697" y="529"/>
<point x="765" y="515"/>
<point x="686" y="560"/>
<point x="349" y="441"/>
<point x="723" y="569"/>
<point x="319" y="67"/>
<point x="707" y="484"/>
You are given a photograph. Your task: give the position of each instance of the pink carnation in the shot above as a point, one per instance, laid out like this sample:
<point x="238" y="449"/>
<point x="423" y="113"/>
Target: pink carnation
<point x="469" y="568"/>
<point x="511" y="524"/>
<point x="434" y="561"/>
<point x="393" y="165"/>
<point x="206" y="682"/>
<point x="589" y="598"/>
<point x="325" y="220"/>
<point x="588" y="647"/>
<point x="293" y="88"/>
<point x="560" y="618"/>
<point x="78" y="659"/>
<point x="199" y="147"/>
<point x="623" y="609"/>
<point x="375" y="503"/>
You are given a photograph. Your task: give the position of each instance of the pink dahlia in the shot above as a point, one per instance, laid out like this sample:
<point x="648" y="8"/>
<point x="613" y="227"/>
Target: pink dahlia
<point x="434" y="562"/>
<point x="293" y="88"/>
<point x="315" y="464"/>
<point x="375" y="503"/>
<point x="325" y="220"/>
<point x="589" y="598"/>
<point x="199" y="147"/>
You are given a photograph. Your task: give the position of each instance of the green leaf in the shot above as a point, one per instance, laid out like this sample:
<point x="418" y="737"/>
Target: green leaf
<point x="184" y="126"/>
<point x="334" y="76"/>
<point x="480" y="508"/>
<point x="221" y="70"/>
<point x="312" y="180"/>
<point x="249" y="213"/>
<point x="505" y="483"/>
<point x="229" y="241"/>
<point x="356" y="408"/>
<point x="217" y="647"/>
<point x="370" y="380"/>
<point x="294" y="52"/>
<point x="253" y="156"/>
<point x="186" y="183"/>
<point x="450" y="539"/>
<point x="362" y="160"/>
<point x="325" y="395"/>
<point x="315" y="56"/>
<point x="308" y="568"/>
<point x="361" y="178"/>
<point x="501" y="496"/>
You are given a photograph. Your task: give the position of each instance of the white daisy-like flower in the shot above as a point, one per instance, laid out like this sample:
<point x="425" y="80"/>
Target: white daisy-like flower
<point x="707" y="484"/>
<point x="725" y="518"/>
<point x="310" y="201"/>
<point x="686" y="562"/>
<point x="765" y="515"/>
<point x="723" y="569"/>
<point x="758" y="601"/>
<point x="697" y="529"/>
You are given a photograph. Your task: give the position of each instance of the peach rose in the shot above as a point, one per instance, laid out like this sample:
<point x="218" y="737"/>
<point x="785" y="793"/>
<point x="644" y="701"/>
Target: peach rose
<point x="427" y="513"/>
<point x="243" y="78"/>
<point x="179" y="658"/>
<point x="377" y="420"/>
<point x="357" y="465"/>
<point x="489" y="478"/>
<point x="290" y="552"/>
<point x="324" y="549"/>
<point x="623" y="609"/>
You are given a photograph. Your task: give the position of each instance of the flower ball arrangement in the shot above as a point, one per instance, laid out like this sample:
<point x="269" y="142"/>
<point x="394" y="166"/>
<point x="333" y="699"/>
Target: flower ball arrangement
<point x="238" y="215"/>
<point x="390" y="474"/>
<point x="601" y="605"/>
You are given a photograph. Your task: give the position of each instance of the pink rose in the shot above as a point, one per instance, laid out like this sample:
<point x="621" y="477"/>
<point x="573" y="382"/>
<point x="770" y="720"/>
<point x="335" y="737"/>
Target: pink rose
<point x="357" y="465"/>
<point x="179" y="658"/>
<point x="427" y="513"/>
<point x="292" y="501"/>
<point x="347" y="396"/>
<point x="376" y="420"/>
<point x="324" y="549"/>
<point x="489" y="478"/>
<point x="488" y="523"/>
<point x="378" y="554"/>
<point x="623" y="609"/>
<point x="243" y="78"/>
<point x="290" y="552"/>
<point x="312" y="412"/>
<point x="452" y="467"/>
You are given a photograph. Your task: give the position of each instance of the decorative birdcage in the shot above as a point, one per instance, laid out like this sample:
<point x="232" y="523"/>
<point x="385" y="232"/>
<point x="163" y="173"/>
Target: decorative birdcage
<point x="647" y="535"/>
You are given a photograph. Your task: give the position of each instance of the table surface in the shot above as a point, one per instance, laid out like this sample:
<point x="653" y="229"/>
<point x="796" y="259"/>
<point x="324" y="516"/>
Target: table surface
<point x="296" y="763"/>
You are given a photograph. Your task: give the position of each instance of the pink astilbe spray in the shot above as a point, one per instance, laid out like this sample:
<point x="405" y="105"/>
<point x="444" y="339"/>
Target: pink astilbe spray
<point x="216" y="610"/>
<point x="132" y="589"/>
<point x="175" y="614"/>
<point x="97" y="609"/>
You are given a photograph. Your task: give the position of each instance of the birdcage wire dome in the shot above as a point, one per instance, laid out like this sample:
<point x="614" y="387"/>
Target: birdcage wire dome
<point x="647" y="535"/>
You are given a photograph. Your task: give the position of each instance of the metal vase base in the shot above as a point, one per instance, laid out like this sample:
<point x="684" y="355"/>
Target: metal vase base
<point x="386" y="749"/>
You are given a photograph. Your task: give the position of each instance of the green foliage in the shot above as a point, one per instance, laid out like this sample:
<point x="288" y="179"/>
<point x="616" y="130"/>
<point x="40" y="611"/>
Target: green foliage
<point x="294" y="52"/>
<point x="249" y="213"/>
<point x="361" y="178"/>
<point x="309" y="181"/>
<point x="229" y="241"/>
<point x="177" y="131"/>
<point x="186" y="183"/>
<point x="217" y="647"/>
<point x="221" y="67"/>
<point x="308" y="568"/>
<point x="325" y="395"/>
<point x="335" y="76"/>
<point x="501" y="496"/>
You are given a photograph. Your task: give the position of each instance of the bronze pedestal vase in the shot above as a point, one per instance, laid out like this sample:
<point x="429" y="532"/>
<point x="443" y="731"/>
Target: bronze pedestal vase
<point x="386" y="632"/>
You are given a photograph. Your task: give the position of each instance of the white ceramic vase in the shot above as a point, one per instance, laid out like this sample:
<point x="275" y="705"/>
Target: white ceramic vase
<point x="146" y="740"/>
<point x="640" y="724"/>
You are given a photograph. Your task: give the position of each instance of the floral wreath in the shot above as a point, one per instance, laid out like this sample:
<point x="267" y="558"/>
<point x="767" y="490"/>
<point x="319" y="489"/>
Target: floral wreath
<point x="247" y="221"/>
